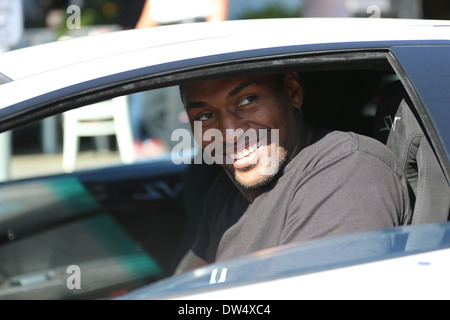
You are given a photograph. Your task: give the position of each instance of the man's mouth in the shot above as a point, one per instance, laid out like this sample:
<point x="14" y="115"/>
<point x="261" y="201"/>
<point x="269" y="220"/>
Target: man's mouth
<point x="247" y="156"/>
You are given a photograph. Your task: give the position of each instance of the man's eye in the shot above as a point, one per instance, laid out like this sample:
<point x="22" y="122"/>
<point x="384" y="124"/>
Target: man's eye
<point x="205" y="116"/>
<point x="247" y="101"/>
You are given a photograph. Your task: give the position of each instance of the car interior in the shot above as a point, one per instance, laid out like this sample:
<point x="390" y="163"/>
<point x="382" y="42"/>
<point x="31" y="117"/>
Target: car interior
<point x="126" y="226"/>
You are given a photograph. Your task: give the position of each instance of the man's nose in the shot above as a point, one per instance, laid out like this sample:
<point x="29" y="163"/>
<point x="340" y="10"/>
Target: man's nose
<point x="231" y="127"/>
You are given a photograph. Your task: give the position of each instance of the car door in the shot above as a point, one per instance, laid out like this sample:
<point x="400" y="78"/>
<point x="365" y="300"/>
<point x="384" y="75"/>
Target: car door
<point x="96" y="232"/>
<point x="131" y="219"/>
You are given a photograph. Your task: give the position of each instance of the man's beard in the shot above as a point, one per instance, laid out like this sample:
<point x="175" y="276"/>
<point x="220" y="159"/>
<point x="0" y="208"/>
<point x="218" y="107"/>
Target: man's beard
<point x="267" y="170"/>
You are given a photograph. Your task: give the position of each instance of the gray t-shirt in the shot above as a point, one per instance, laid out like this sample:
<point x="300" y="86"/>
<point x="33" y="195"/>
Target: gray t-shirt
<point x="340" y="183"/>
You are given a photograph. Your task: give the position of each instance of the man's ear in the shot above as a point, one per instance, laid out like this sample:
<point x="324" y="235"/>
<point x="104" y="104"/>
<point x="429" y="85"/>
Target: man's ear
<point x="294" y="89"/>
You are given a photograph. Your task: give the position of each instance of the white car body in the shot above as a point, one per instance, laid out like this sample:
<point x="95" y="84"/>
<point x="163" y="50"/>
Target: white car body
<point x="419" y="273"/>
<point x="416" y="277"/>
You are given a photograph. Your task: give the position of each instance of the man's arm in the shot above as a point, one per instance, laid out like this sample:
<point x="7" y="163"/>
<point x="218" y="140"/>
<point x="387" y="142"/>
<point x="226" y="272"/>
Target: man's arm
<point x="189" y="262"/>
<point x="358" y="191"/>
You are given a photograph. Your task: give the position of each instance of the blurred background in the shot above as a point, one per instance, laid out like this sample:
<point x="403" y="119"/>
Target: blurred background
<point x="45" y="20"/>
<point x="26" y="23"/>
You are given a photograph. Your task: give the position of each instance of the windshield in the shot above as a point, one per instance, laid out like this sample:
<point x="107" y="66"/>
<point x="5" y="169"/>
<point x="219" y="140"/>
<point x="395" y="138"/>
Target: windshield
<point x="305" y="258"/>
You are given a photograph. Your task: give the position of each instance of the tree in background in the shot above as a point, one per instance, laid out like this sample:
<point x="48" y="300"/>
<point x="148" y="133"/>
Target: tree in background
<point x="274" y="9"/>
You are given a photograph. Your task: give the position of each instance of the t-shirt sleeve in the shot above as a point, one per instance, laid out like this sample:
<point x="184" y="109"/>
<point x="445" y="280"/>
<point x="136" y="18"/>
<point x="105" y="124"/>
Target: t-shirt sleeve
<point x="355" y="192"/>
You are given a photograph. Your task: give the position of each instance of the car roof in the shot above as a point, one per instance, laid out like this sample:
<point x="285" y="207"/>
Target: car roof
<point x="54" y="66"/>
<point x="264" y="33"/>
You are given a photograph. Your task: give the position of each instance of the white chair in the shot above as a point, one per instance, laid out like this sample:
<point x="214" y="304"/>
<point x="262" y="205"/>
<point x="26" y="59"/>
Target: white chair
<point x="109" y="117"/>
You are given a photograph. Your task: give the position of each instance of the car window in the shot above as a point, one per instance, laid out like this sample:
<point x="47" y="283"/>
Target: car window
<point x="123" y="130"/>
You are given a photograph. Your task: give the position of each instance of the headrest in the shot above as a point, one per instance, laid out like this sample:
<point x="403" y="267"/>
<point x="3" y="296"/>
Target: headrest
<point x="417" y="158"/>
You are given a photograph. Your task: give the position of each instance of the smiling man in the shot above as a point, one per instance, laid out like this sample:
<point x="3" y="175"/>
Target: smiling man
<point x="290" y="182"/>
<point x="257" y="105"/>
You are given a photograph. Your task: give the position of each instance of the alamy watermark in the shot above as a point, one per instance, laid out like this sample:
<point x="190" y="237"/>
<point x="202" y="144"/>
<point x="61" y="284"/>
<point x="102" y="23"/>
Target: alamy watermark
<point x="74" y="19"/>
<point x="374" y="11"/>
<point x="74" y="279"/>
<point x="236" y="146"/>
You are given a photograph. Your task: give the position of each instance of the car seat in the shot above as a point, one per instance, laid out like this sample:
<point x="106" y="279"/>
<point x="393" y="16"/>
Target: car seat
<point x="397" y="126"/>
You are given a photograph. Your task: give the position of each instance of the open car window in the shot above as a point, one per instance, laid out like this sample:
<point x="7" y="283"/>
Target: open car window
<point x="122" y="130"/>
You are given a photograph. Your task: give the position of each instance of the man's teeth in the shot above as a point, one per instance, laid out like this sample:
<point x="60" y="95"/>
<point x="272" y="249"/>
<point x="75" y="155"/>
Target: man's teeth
<point x="246" y="152"/>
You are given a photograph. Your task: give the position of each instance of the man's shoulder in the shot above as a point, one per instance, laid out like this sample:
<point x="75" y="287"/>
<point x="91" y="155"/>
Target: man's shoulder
<point x="371" y="148"/>
<point x="334" y="145"/>
<point x="345" y="141"/>
<point x="328" y="145"/>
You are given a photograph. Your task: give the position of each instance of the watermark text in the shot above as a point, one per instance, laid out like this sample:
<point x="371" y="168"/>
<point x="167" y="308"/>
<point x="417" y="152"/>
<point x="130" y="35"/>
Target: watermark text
<point x="74" y="19"/>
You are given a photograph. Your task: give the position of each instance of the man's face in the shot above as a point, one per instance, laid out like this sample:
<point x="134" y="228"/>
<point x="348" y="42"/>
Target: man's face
<point x="262" y="108"/>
